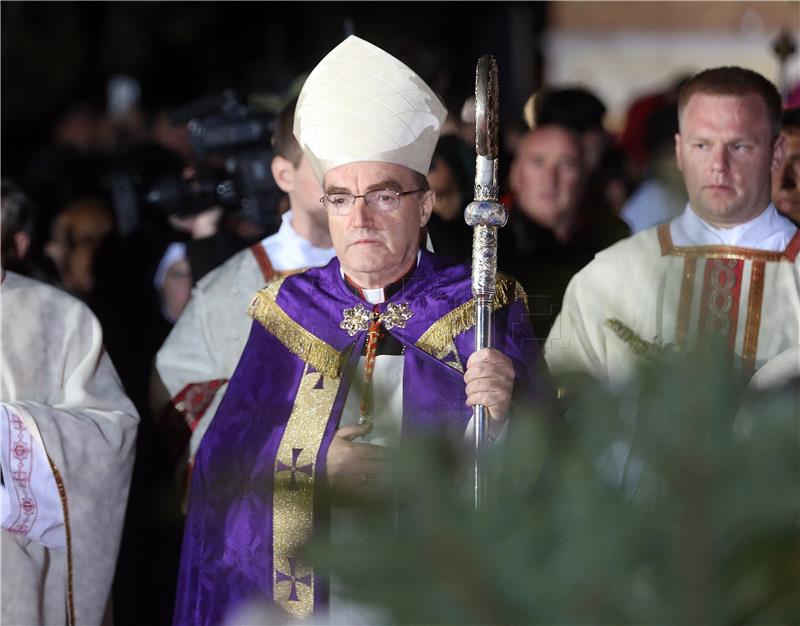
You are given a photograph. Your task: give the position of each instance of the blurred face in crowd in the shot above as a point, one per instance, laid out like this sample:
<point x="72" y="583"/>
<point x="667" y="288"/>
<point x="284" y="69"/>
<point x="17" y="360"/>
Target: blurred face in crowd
<point x="76" y="234"/>
<point x="547" y="175"/>
<point x="449" y="202"/>
<point x="786" y="182"/>
<point x="78" y="128"/>
<point x="725" y="150"/>
<point x="13" y="248"/>
<point x="377" y="247"/>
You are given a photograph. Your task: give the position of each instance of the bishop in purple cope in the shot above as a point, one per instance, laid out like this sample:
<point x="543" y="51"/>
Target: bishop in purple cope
<point x="303" y="389"/>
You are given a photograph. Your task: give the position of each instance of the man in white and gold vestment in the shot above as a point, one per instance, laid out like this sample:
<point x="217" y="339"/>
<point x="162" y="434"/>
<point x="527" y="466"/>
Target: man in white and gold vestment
<point x="67" y="439"/>
<point x="728" y="267"/>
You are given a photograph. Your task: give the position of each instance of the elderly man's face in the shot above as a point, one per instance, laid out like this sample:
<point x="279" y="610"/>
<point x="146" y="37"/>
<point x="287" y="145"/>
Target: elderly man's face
<point x="376" y="248"/>
<point x="786" y="183"/>
<point x="546" y="175"/>
<point x="725" y="151"/>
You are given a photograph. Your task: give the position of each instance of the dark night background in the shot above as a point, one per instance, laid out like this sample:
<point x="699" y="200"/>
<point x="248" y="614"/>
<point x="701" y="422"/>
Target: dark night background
<point x="55" y="53"/>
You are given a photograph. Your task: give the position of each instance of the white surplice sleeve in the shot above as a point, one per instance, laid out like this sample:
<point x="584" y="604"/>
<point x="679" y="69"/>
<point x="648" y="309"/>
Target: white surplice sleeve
<point x="29" y="502"/>
<point x="61" y="393"/>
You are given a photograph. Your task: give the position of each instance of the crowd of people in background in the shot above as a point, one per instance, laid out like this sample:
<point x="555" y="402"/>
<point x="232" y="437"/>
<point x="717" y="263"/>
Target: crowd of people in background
<point x="572" y="188"/>
<point x="78" y="218"/>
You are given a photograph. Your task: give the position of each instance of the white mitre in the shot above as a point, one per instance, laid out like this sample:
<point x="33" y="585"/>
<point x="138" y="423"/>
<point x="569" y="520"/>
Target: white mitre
<point x="362" y="104"/>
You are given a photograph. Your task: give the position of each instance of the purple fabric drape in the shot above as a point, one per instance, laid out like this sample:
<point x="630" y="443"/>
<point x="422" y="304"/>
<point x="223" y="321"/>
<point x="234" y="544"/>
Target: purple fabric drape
<point x="226" y="558"/>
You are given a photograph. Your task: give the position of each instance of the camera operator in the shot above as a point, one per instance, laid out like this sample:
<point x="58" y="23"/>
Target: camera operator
<point x="202" y="185"/>
<point x="218" y="232"/>
<point x="201" y="352"/>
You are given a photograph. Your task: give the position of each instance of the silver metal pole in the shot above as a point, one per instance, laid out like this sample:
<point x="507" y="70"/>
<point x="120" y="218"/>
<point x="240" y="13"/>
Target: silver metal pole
<point x="485" y="214"/>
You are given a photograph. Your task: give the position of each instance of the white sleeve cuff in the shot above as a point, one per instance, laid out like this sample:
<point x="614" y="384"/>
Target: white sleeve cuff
<point x="31" y="505"/>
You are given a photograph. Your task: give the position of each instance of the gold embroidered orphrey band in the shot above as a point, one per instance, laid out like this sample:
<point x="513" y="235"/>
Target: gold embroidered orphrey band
<point x="685" y="301"/>
<point x="753" y="322"/>
<point x="295" y="473"/>
<point x="438" y="339"/>
<point x="754" y="303"/>
<point x="295" y="469"/>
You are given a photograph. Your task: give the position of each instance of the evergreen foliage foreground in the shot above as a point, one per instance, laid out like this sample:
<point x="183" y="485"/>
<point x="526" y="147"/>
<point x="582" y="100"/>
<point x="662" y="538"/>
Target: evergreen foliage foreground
<point x="674" y="499"/>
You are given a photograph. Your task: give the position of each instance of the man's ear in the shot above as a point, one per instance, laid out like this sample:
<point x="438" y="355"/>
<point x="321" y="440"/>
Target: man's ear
<point x="283" y="172"/>
<point x="426" y="206"/>
<point x="778" y="154"/>
<point x="678" y="151"/>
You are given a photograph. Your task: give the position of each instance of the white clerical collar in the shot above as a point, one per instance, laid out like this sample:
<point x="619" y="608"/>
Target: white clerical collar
<point x="288" y="233"/>
<point x="769" y="231"/>
<point x="373" y="296"/>
<point x="288" y="250"/>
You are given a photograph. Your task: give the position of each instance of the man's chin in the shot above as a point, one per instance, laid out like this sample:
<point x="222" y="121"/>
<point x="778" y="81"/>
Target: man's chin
<point x="722" y="213"/>
<point x="364" y="263"/>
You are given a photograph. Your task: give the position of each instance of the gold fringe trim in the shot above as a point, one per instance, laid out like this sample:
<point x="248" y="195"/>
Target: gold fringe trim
<point x="62" y="494"/>
<point x="308" y="347"/>
<point x="438" y="338"/>
<point x="272" y="288"/>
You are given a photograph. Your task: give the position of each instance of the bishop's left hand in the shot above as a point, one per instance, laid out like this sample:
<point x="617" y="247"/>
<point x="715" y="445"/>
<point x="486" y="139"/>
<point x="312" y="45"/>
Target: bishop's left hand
<point x="490" y="381"/>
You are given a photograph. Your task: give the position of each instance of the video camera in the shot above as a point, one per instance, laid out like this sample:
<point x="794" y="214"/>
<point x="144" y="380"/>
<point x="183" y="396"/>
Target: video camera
<point x="232" y="141"/>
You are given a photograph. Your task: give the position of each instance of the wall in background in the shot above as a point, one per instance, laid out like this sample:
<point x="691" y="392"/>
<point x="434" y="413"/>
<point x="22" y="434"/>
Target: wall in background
<point x="626" y="49"/>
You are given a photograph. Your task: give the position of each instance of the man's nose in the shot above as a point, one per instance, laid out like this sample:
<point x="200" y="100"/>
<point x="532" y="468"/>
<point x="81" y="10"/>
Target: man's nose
<point x="719" y="158"/>
<point x="549" y="179"/>
<point x="361" y="215"/>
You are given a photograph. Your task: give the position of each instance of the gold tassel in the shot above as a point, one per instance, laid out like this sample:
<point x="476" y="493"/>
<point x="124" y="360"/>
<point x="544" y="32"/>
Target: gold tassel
<point x="652" y="351"/>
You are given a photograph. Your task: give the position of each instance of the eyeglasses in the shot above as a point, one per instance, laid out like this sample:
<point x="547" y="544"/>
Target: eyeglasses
<point x="382" y="200"/>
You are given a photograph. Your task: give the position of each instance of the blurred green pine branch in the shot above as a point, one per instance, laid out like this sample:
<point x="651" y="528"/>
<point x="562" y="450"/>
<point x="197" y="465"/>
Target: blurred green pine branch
<point x="674" y="499"/>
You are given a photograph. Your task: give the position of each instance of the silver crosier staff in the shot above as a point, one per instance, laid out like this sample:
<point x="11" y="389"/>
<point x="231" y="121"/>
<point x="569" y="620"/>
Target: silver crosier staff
<point x="485" y="214"/>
